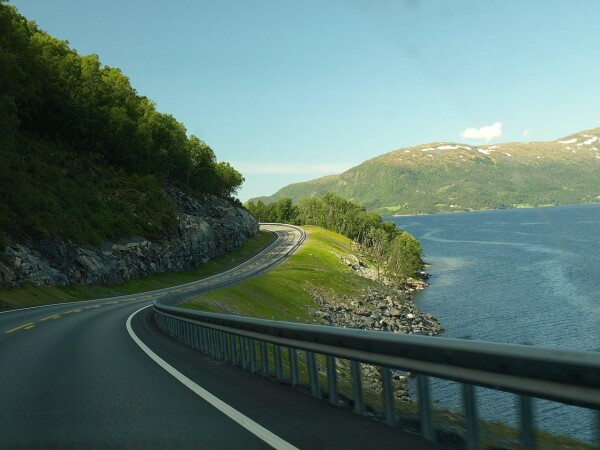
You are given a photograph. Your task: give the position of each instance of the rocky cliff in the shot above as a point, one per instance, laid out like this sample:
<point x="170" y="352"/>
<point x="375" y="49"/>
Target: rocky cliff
<point x="205" y="229"/>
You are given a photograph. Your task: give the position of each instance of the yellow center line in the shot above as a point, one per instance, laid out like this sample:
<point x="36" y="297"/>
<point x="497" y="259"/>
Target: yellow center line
<point x="112" y="303"/>
<point x="27" y="326"/>
<point x="93" y="306"/>
<point x="73" y="311"/>
<point x="55" y="316"/>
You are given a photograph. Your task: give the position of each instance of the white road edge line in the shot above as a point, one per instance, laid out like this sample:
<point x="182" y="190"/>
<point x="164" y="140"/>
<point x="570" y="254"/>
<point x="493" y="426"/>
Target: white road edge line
<point x="259" y="431"/>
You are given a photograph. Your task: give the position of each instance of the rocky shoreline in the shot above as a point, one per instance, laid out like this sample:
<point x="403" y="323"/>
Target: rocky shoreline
<point x="389" y="308"/>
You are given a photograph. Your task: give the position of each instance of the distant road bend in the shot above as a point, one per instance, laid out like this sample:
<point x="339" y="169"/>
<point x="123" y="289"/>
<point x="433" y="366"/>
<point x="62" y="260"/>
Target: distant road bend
<point x="79" y="375"/>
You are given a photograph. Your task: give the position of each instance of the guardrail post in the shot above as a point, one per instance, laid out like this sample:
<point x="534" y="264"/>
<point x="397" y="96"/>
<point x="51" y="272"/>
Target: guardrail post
<point x="223" y="342"/>
<point x="264" y="357"/>
<point x="294" y="366"/>
<point x="243" y="353"/>
<point x="359" y="404"/>
<point x="226" y="350"/>
<point x="388" y="396"/>
<point x="470" y="407"/>
<point x="332" y="380"/>
<point x="217" y="341"/>
<point x="211" y="338"/>
<point x="527" y="422"/>
<point x="313" y="374"/>
<point x="278" y="363"/>
<point x="427" y="428"/>
<point x="597" y="414"/>
<point x="215" y="336"/>
<point x="252" y="356"/>
<point x="233" y="344"/>
<point x="194" y="337"/>
<point x="204" y="340"/>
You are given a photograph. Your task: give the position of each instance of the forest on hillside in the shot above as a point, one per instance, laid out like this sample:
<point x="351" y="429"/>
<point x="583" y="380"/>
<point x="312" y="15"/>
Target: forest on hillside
<point x="82" y="154"/>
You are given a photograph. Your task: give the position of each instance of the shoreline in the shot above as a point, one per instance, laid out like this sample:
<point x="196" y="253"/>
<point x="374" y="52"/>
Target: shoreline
<point x="495" y="209"/>
<point x="387" y="308"/>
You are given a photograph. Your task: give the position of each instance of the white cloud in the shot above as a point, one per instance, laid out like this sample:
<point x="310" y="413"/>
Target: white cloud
<point x="487" y="133"/>
<point x="247" y="168"/>
<point x="525" y="133"/>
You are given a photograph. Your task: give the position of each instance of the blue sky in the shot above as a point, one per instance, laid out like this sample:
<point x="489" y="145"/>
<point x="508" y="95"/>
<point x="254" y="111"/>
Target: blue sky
<point x="291" y="90"/>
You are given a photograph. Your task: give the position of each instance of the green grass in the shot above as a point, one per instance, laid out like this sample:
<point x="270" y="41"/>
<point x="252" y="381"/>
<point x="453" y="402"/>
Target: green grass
<point x="285" y="293"/>
<point x="31" y="295"/>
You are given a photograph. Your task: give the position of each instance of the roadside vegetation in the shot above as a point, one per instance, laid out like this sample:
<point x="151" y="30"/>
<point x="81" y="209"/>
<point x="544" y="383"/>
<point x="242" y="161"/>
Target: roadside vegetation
<point x="392" y="250"/>
<point x="32" y="295"/>
<point x="82" y="154"/>
<point x="285" y="293"/>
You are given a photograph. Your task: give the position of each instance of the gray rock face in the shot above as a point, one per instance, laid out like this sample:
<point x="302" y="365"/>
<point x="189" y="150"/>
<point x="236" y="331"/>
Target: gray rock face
<point x="205" y="229"/>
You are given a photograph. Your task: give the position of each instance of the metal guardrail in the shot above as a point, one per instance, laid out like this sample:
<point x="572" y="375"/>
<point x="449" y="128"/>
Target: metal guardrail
<point x="257" y="345"/>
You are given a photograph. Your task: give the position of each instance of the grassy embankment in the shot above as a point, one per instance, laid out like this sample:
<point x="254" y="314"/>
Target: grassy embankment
<point x="285" y="294"/>
<point x="31" y="295"/>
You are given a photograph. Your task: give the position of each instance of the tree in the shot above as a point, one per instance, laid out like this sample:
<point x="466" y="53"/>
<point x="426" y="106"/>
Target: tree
<point x="404" y="258"/>
<point x="229" y="180"/>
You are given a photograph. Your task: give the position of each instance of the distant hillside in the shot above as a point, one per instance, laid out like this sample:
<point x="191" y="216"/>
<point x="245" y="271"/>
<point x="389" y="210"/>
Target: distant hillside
<point x="448" y="176"/>
<point x="82" y="154"/>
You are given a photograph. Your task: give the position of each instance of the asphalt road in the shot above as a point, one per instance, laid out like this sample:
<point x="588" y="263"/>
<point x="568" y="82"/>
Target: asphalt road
<point x="71" y="376"/>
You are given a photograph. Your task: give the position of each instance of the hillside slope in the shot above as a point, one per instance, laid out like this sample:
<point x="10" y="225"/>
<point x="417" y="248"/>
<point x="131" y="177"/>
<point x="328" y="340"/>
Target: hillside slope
<point x="96" y="185"/>
<point x="82" y="154"/>
<point x="448" y="176"/>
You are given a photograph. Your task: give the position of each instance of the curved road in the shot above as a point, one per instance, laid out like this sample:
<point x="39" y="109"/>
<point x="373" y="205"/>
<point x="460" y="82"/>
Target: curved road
<point x="71" y="376"/>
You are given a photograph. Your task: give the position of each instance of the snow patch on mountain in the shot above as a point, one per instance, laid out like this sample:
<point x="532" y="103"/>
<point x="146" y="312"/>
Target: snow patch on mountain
<point x="453" y="147"/>
<point x="589" y="141"/>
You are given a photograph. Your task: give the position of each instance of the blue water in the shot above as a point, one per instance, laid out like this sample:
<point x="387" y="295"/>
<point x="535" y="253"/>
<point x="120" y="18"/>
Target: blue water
<point x="526" y="276"/>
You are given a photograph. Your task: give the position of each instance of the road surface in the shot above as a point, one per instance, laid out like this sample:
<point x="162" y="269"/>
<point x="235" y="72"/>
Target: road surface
<point x="71" y="376"/>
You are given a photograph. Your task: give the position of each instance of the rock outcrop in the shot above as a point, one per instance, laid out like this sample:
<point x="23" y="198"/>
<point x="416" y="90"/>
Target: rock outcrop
<point x="205" y="229"/>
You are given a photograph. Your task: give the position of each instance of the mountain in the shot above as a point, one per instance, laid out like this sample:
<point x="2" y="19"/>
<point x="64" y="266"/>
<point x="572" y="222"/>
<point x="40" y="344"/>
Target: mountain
<point x="449" y="176"/>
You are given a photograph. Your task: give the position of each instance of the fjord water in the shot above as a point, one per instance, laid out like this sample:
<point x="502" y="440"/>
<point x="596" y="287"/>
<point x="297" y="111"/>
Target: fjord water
<point x="523" y="276"/>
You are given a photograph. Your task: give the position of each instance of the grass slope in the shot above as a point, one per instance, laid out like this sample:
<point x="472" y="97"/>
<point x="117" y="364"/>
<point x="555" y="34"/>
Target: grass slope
<point x="443" y="177"/>
<point x="285" y="292"/>
<point x="31" y="295"/>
